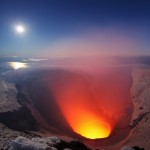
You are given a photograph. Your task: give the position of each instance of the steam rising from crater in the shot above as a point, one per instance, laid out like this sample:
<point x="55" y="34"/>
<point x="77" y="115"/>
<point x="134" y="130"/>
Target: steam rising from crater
<point x="84" y="102"/>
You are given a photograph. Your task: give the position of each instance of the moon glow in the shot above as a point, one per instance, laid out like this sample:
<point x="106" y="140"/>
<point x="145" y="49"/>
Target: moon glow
<point x="20" y="29"/>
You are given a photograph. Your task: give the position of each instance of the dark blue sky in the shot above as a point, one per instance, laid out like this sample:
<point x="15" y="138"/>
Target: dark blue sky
<point x="53" y="23"/>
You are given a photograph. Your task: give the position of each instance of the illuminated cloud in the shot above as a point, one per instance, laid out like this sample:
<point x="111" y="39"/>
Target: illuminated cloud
<point x="17" y="65"/>
<point x="95" y="43"/>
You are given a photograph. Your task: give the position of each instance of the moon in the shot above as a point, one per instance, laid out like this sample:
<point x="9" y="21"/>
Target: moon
<point x="20" y="29"/>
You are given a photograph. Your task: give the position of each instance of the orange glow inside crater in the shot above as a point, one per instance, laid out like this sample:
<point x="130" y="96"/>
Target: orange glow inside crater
<point x="89" y="125"/>
<point x="81" y="111"/>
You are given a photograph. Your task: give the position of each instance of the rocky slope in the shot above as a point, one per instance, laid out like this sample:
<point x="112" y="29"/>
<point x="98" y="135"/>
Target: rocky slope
<point x="139" y="136"/>
<point x="140" y="123"/>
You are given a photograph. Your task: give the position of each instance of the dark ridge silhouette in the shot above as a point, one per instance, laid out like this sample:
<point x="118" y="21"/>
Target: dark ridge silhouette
<point x="73" y="145"/>
<point x="138" y="148"/>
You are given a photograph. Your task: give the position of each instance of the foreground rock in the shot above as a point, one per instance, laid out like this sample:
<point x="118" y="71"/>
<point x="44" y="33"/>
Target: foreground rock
<point x="49" y="143"/>
<point x="7" y="135"/>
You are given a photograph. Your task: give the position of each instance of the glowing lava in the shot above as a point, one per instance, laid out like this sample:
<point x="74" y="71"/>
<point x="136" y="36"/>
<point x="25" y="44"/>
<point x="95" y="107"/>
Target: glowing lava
<point x="81" y="111"/>
<point x="89" y="125"/>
